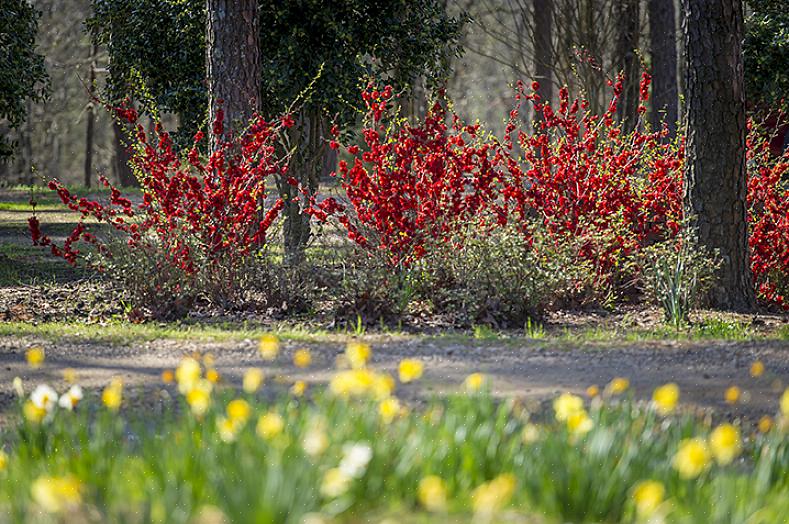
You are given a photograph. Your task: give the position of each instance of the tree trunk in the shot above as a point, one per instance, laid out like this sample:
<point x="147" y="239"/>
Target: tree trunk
<point x="715" y="180"/>
<point x="627" y="61"/>
<point x="232" y="61"/>
<point x="123" y="172"/>
<point x="663" y="44"/>
<point x="543" y="48"/>
<point x="90" y="118"/>
<point x="306" y="165"/>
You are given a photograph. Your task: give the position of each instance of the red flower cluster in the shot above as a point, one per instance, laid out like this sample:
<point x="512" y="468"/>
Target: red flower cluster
<point x="577" y="173"/>
<point x="199" y="212"/>
<point x="412" y="184"/>
<point x="587" y="180"/>
<point x="768" y="217"/>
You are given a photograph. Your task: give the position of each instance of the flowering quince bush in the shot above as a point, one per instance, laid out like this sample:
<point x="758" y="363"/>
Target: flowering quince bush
<point x="410" y="184"/>
<point x="588" y="181"/>
<point x="576" y="177"/>
<point x="768" y="217"/>
<point x="198" y="216"/>
<point x="353" y="450"/>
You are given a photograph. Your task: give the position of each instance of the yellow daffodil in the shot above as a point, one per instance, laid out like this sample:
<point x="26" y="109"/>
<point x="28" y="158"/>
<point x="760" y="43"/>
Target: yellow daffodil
<point x="648" y="496"/>
<point x="474" y="382"/>
<point x="187" y="374"/>
<point x="592" y="391"/>
<point x="3" y="460"/>
<point x="617" y="386"/>
<point x="565" y="405"/>
<point x="33" y="413"/>
<point x="493" y="496"/>
<point x="765" y="424"/>
<point x="228" y="428"/>
<point x="302" y="358"/>
<point x="725" y="443"/>
<point x="432" y="493"/>
<point x="69" y="375"/>
<point x="388" y="409"/>
<point x="361" y="382"/>
<point x="168" y="377"/>
<point x="357" y="354"/>
<point x="19" y="389"/>
<point x="665" y="398"/>
<point x="212" y="376"/>
<point x="112" y="396"/>
<point x="785" y="404"/>
<point x="732" y="395"/>
<point x="238" y="410"/>
<point x="56" y="494"/>
<point x="35" y="357"/>
<point x="268" y="347"/>
<point x="410" y="370"/>
<point x="298" y="388"/>
<point x="757" y="369"/>
<point x="335" y="483"/>
<point x="579" y="423"/>
<point x="692" y="458"/>
<point x="199" y="397"/>
<point x="270" y="425"/>
<point x="253" y="378"/>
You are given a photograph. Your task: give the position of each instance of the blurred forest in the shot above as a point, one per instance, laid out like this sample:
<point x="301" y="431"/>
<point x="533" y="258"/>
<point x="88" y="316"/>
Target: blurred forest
<point x="557" y="42"/>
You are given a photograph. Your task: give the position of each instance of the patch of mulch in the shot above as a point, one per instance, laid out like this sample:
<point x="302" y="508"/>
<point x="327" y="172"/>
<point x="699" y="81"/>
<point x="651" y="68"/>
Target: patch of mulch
<point x="87" y="300"/>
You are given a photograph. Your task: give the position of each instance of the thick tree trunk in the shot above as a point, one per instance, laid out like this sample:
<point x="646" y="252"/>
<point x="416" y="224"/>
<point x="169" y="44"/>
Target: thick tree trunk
<point x="233" y="61"/>
<point x="663" y="44"/>
<point x="627" y="61"/>
<point x="543" y="48"/>
<point x="123" y="172"/>
<point x="715" y="180"/>
<point x="306" y="165"/>
<point x="90" y="118"/>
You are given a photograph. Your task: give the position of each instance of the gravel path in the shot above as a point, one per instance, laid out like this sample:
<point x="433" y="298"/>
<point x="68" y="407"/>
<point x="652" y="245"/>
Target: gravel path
<point x="534" y="372"/>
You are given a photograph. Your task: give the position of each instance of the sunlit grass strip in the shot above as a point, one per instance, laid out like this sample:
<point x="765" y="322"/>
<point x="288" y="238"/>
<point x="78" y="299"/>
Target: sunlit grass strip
<point x="127" y="332"/>
<point x="269" y="454"/>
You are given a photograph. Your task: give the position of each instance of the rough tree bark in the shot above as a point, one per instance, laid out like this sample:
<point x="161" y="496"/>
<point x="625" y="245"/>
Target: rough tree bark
<point x="627" y="42"/>
<point x="90" y="118"/>
<point x="663" y="46"/>
<point x="233" y="60"/>
<point x="307" y="164"/>
<point x="715" y="180"/>
<point x="543" y="47"/>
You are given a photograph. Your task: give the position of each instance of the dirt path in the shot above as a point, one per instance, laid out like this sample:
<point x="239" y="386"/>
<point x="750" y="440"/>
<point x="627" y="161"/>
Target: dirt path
<point x="534" y="372"/>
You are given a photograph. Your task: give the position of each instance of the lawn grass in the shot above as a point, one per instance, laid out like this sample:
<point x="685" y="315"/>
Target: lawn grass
<point x="121" y="332"/>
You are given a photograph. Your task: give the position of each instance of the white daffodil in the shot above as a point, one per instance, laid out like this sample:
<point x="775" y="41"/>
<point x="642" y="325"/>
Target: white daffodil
<point x="355" y="458"/>
<point x="71" y="398"/>
<point x="44" y="397"/>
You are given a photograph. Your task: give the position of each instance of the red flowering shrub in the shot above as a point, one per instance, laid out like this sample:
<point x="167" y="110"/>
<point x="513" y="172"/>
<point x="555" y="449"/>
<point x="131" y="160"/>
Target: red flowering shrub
<point x="577" y="175"/>
<point x="768" y="217"/>
<point x="587" y="181"/>
<point x="412" y="184"/>
<point x="200" y="218"/>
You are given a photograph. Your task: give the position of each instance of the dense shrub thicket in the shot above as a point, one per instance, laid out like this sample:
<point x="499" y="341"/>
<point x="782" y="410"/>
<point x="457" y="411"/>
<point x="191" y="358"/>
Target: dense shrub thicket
<point x="429" y="207"/>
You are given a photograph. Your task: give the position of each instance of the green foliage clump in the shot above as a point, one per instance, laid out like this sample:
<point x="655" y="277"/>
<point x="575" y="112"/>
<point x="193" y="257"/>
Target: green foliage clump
<point x="766" y="50"/>
<point x="157" y="51"/>
<point x="22" y="73"/>
<point x="676" y="275"/>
